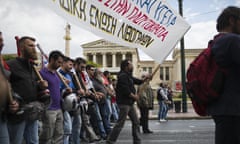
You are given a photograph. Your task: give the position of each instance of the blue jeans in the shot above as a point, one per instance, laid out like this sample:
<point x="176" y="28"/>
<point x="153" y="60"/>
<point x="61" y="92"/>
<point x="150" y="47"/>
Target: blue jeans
<point x="100" y="121"/>
<point x="109" y="108"/>
<point x="76" y="128"/>
<point x="104" y="109"/>
<point x="4" y="137"/>
<point x="26" y="129"/>
<point x="162" y="113"/>
<point x="115" y="111"/>
<point x="72" y="127"/>
<point x="67" y="126"/>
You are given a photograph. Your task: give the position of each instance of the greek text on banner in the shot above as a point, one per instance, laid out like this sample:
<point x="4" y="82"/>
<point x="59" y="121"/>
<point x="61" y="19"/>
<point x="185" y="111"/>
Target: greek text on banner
<point x="151" y="25"/>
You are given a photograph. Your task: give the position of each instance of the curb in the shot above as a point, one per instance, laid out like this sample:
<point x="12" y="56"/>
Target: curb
<point x="183" y="117"/>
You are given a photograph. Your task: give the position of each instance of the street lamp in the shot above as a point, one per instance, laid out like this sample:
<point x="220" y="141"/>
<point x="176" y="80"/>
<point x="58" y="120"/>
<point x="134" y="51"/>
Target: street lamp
<point x="184" y="96"/>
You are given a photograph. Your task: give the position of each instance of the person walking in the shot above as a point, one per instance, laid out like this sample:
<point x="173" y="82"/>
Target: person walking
<point x="52" y="123"/>
<point x="225" y="111"/>
<point x="126" y="96"/>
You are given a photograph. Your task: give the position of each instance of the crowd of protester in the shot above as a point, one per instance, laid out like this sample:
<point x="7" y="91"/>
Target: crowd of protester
<point x="72" y="101"/>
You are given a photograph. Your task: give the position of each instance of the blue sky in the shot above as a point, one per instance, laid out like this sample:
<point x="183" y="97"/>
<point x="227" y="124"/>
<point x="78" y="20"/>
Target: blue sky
<point x="31" y="17"/>
<point x="202" y="10"/>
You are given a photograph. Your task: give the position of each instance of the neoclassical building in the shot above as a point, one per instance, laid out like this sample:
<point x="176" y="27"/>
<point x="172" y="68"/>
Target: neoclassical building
<point x="110" y="55"/>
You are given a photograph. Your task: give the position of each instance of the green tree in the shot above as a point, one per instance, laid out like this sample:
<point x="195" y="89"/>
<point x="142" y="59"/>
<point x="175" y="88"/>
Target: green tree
<point x="8" y="57"/>
<point x="94" y="64"/>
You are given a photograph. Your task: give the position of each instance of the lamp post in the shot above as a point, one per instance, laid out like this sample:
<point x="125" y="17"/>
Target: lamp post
<point x="184" y="96"/>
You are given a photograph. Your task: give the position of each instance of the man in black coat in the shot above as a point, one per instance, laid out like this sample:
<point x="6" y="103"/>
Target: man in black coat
<point x="25" y="83"/>
<point x="126" y="96"/>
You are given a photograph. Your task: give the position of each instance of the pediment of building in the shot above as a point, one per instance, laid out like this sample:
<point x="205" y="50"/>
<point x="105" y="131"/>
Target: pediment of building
<point x="101" y="44"/>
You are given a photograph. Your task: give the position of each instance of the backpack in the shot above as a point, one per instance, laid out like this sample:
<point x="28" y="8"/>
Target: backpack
<point x="159" y="96"/>
<point x="205" y="80"/>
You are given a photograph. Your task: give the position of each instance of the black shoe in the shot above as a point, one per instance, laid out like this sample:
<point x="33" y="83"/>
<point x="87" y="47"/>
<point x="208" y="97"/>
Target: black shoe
<point x="104" y="137"/>
<point x="83" y="139"/>
<point x="147" y="132"/>
<point x="95" y="140"/>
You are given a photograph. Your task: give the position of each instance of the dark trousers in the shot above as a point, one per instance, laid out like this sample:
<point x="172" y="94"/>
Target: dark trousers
<point x="144" y="118"/>
<point x="125" y="110"/>
<point x="227" y="129"/>
<point x="86" y="124"/>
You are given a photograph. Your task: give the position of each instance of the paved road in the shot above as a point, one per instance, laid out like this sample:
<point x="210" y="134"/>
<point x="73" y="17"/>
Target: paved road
<point x="173" y="132"/>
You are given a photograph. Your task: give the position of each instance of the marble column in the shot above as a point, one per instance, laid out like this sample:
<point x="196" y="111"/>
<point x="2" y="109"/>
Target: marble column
<point x="94" y="57"/>
<point x="104" y="60"/>
<point x="123" y="55"/>
<point x="113" y="59"/>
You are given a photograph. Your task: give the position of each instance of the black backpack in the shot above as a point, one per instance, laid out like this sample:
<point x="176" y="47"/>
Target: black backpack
<point x="159" y="96"/>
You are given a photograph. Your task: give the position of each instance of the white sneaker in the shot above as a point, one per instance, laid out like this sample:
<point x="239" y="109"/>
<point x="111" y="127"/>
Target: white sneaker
<point x="162" y="120"/>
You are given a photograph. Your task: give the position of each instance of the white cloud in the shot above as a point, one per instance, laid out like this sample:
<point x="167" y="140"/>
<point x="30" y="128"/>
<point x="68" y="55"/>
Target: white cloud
<point x="237" y="2"/>
<point x="27" y="18"/>
<point x="199" y="34"/>
<point x="30" y="17"/>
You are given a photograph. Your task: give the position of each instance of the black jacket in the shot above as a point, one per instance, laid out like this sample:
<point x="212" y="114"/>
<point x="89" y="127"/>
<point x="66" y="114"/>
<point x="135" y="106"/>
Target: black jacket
<point x="227" y="53"/>
<point x="125" y="86"/>
<point x="23" y="79"/>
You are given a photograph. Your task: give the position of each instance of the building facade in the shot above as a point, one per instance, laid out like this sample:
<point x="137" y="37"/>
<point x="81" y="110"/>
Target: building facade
<point x="109" y="56"/>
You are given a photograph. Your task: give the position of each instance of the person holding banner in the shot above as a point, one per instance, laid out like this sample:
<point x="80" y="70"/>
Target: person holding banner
<point x="24" y="82"/>
<point x="145" y="103"/>
<point x="4" y="98"/>
<point x="4" y="137"/>
<point x="80" y="67"/>
<point x="96" y="117"/>
<point x="126" y="96"/>
<point x="3" y="84"/>
<point x="72" y="118"/>
<point x="53" y="117"/>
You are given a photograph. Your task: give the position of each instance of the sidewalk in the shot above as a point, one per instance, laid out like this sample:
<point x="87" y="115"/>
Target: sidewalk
<point x="190" y="114"/>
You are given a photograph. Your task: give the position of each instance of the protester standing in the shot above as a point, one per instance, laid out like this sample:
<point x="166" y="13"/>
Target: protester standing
<point x="115" y="110"/>
<point x="24" y="82"/>
<point x="52" y="123"/>
<point x="226" y="50"/>
<point x="95" y="111"/>
<point x="110" y="93"/>
<point x="72" y="118"/>
<point x="100" y="88"/>
<point x="85" y="100"/>
<point x="162" y="97"/>
<point x="145" y="103"/>
<point x="4" y="100"/>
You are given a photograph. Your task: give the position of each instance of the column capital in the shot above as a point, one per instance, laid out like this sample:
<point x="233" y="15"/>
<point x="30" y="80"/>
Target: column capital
<point x="124" y="52"/>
